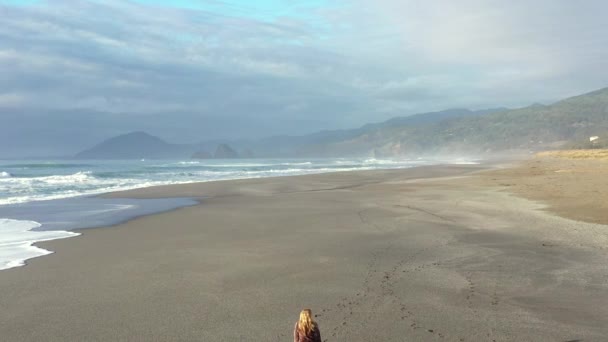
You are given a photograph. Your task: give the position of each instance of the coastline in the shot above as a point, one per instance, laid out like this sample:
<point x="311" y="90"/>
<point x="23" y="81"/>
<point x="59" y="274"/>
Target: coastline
<point x="60" y="197"/>
<point x="56" y="218"/>
<point x="427" y="253"/>
<point x="25" y="225"/>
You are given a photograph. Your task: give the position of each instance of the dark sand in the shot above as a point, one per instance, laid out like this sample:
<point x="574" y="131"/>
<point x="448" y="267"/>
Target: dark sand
<point x="379" y="256"/>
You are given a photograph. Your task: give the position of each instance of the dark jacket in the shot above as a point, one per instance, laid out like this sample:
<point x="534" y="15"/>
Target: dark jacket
<point x="314" y="336"/>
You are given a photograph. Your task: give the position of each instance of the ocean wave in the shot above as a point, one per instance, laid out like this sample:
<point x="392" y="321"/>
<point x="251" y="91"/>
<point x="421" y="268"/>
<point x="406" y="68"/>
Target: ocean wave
<point x="384" y="161"/>
<point x="464" y="162"/>
<point x="211" y="164"/>
<point x="270" y="164"/>
<point x="16" y="190"/>
<point x="37" y="185"/>
<point x="71" y="179"/>
<point x="298" y="163"/>
<point x="174" y="164"/>
<point x="240" y="174"/>
<point x="120" y="185"/>
<point x="86" y="183"/>
<point x="23" y="190"/>
<point x="239" y="165"/>
<point x="74" y="178"/>
<point x="341" y="162"/>
<point x="5" y="174"/>
<point x="49" y="165"/>
<point x="17" y="238"/>
<point x="78" y="177"/>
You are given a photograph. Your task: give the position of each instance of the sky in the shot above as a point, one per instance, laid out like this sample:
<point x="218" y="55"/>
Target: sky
<point x="74" y="72"/>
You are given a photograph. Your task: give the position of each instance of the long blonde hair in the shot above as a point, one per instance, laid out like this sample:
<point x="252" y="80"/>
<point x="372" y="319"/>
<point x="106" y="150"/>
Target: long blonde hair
<point x="306" y="324"/>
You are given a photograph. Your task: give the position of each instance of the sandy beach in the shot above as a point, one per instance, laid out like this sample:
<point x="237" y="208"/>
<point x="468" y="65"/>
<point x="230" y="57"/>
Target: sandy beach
<point x="573" y="184"/>
<point x="438" y="253"/>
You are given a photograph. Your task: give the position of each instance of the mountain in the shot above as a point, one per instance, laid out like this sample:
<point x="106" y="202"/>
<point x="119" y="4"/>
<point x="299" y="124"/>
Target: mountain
<point x="141" y="145"/>
<point x="532" y="128"/>
<point x="569" y="122"/>
<point x="223" y="151"/>
<point x="136" y="145"/>
<point x="433" y="117"/>
<point x="536" y="127"/>
<point x="247" y="153"/>
<point x="202" y="155"/>
<point x="315" y="144"/>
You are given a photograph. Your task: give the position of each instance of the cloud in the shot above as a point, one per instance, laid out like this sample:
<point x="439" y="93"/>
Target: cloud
<point x="496" y="45"/>
<point x="291" y="67"/>
<point x="11" y="100"/>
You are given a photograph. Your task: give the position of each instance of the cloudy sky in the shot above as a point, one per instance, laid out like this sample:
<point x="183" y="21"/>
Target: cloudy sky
<point x="73" y="71"/>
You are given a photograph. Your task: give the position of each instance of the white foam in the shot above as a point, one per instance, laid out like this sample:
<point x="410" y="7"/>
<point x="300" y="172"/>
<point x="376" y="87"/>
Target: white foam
<point x="78" y="177"/>
<point x="375" y="161"/>
<point x="300" y="163"/>
<point x="84" y="183"/>
<point x="17" y="239"/>
<point x="176" y="164"/>
<point x="83" y="192"/>
<point x="5" y="174"/>
<point x="240" y="165"/>
<point x="21" y="189"/>
<point x="464" y="162"/>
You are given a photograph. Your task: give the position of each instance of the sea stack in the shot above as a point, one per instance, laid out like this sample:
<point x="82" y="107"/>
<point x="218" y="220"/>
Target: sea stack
<point x="247" y="153"/>
<point x="202" y="155"/>
<point x="224" y="151"/>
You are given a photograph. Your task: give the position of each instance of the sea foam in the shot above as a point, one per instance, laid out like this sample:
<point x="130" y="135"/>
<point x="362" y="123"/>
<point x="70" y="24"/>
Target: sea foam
<point x="17" y="239"/>
<point x="50" y="180"/>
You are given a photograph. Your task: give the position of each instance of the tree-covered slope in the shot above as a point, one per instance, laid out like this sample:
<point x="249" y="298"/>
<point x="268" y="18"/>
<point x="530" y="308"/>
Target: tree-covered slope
<point x="535" y="127"/>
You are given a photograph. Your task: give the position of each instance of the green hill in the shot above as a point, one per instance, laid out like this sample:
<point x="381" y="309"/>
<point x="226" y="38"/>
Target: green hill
<point x="533" y="128"/>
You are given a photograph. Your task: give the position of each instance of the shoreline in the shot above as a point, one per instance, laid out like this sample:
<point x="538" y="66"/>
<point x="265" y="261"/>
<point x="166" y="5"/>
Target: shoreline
<point x="151" y="193"/>
<point x="44" y="212"/>
<point x="177" y="190"/>
<point x="26" y="225"/>
<point x="424" y="253"/>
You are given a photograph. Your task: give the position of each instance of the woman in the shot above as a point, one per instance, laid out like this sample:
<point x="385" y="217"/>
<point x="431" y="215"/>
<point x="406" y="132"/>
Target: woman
<point x="306" y="329"/>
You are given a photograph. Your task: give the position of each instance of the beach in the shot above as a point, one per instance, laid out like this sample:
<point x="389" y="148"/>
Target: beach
<point x="572" y="184"/>
<point x="432" y="253"/>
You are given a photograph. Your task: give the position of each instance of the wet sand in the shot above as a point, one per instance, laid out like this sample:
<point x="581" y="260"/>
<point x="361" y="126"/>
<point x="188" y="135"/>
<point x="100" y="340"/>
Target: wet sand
<point x="425" y="254"/>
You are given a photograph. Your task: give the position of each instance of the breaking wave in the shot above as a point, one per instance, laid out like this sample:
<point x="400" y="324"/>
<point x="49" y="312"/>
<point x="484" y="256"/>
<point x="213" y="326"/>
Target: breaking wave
<point x="42" y="180"/>
<point x="17" y="238"/>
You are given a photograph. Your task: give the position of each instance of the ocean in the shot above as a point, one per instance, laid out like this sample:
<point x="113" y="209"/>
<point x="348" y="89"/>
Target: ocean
<point x="43" y="200"/>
